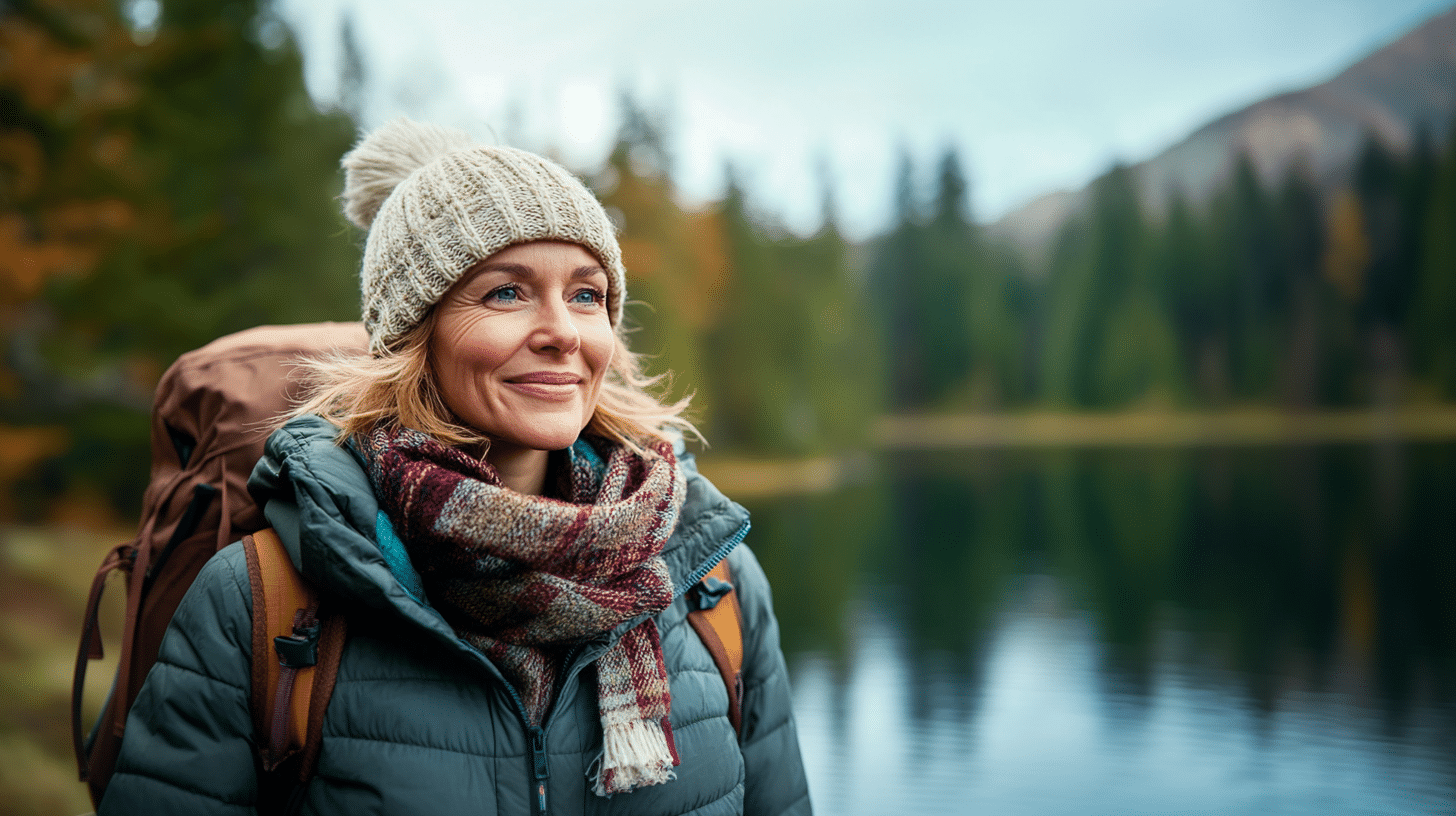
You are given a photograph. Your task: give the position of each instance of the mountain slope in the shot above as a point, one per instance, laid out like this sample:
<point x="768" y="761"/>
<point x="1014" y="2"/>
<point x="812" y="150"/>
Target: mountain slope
<point x="1396" y="92"/>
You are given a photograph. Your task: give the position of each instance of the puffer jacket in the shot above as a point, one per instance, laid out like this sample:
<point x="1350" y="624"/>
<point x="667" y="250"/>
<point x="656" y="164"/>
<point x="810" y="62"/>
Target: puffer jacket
<point x="421" y="723"/>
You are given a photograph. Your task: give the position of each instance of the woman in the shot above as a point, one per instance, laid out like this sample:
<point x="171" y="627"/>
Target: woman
<point x="495" y="502"/>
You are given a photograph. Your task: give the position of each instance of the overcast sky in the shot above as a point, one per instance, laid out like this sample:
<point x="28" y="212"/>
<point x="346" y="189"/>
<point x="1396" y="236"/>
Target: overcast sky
<point x="1036" y="95"/>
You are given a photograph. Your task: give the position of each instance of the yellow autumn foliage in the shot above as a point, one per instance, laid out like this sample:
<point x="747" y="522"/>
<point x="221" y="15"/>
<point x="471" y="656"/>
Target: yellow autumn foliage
<point x="1347" y="253"/>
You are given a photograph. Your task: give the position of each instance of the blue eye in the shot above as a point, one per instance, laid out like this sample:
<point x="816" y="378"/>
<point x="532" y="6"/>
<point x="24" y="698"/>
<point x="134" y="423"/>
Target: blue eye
<point x="506" y="294"/>
<point x="587" y="296"/>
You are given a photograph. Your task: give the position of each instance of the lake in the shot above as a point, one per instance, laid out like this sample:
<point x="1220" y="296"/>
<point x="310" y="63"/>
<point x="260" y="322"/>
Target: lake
<point x="1245" y="630"/>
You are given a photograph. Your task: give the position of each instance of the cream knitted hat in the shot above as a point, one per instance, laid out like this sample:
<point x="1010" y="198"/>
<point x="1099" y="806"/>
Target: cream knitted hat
<point x="435" y="203"/>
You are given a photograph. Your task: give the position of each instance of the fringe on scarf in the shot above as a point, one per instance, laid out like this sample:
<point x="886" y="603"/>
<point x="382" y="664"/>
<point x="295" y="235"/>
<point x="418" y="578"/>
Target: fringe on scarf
<point x="634" y="755"/>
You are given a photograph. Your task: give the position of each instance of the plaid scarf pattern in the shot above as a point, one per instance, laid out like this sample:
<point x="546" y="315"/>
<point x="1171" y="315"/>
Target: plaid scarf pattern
<point x="522" y="578"/>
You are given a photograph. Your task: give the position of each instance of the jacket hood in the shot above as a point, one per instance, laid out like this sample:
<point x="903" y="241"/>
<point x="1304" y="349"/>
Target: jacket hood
<point x="317" y="495"/>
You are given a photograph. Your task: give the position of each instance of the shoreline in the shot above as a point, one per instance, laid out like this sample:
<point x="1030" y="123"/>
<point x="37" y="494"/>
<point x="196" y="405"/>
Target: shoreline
<point x="757" y="477"/>
<point x="1236" y="426"/>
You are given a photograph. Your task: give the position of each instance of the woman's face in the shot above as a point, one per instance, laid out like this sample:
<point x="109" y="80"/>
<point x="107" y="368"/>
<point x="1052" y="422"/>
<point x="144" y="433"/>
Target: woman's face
<point x="521" y="343"/>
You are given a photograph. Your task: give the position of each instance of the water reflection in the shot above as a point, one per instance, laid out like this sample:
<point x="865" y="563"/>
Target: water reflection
<point x="1129" y="631"/>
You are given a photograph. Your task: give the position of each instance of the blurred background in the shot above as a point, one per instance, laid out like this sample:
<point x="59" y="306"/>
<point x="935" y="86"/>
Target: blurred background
<point x="1090" y="370"/>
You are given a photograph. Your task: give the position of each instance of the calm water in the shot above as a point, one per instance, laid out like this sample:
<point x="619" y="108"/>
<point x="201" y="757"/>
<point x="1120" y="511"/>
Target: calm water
<point x="1246" y="631"/>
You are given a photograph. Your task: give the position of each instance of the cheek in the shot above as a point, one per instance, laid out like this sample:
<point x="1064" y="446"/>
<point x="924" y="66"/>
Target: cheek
<point x="460" y="352"/>
<point x="598" y="347"/>
<point x="450" y="378"/>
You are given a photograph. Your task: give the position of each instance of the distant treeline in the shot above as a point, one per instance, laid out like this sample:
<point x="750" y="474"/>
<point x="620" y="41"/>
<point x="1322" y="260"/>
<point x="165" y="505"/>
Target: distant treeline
<point x="1284" y="292"/>
<point x="1293" y="293"/>
<point x="166" y="181"/>
<point x="1281" y="293"/>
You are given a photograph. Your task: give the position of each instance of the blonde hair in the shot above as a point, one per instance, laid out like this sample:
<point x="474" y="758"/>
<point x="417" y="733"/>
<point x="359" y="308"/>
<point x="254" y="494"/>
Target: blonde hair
<point x="360" y="392"/>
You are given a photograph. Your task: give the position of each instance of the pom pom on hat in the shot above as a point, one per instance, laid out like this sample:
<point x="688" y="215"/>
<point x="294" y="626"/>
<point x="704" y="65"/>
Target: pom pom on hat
<point x="386" y="157"/>
<point x="435" y="203"/>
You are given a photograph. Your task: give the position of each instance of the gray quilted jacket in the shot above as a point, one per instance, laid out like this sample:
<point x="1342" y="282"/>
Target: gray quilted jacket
<point x="421" y="723"/>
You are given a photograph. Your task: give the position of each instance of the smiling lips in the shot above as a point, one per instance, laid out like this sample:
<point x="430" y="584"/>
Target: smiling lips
<point x="548" y="385"/>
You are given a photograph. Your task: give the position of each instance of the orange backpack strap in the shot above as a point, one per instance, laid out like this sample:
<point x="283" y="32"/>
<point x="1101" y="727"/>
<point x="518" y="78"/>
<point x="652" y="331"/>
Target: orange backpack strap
<point x="295" y="656"/>
<point x="718" y="620"/>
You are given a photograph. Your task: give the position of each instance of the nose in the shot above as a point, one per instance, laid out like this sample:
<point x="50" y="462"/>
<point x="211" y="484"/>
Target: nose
<point x="555" y="330"/>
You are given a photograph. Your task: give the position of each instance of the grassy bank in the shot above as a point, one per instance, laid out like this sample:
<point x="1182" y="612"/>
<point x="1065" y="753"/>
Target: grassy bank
<point x="1238" y="426"/>
<point x="749" y="477"/>
<point x="45" y="575"/>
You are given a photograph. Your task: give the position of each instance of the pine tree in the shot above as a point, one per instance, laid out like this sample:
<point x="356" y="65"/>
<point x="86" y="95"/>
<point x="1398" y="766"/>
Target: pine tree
<point x="927" y="271"/>
<point x="1135" y="350"/>
<point x="1182" y="278"/>
<point x="674" y="258"/>
<point x="1434" y="327"/>
<point x="1247" y="253"/>
<point x="1064" y="371"/>
<point x="1387" y="208"/>
<point x="1300" y="227"/>
<point x="1345" y="265"/>
<point x="757" y="346"/>
<point x="894" y="277"/>
<point x="945" y="281"/>
<point x="796" y="370"/>
<point x="843" y="374"/>
<point x="1108" y="340"/>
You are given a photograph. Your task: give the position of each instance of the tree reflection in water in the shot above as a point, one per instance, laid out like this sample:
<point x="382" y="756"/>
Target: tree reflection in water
<point x="1233" y="629"/>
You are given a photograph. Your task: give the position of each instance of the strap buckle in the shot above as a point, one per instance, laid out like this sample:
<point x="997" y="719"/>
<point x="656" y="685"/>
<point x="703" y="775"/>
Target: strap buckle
<point x="710" y="591"/>
<point x="300" y="650"/>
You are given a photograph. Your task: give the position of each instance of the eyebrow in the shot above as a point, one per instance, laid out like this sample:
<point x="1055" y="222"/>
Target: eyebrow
<point x="523" y="271"/>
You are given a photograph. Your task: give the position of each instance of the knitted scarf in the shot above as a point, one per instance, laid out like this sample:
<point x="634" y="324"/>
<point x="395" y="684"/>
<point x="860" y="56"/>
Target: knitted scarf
<point x="522" y="578"/>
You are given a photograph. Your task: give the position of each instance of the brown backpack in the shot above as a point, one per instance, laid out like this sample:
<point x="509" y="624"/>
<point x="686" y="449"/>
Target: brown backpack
<point x="213" y="411"/>
<point x="212" y="414"/>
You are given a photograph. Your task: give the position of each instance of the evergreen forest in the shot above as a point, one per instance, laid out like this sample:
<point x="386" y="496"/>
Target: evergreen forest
<point x="167" y="180"/>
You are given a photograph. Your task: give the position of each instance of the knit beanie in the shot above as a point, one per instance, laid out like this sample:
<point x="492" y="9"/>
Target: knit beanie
<point x="435" y="203"/>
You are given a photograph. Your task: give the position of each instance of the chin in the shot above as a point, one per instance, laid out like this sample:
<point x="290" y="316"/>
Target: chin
<point x="541" y="438"/>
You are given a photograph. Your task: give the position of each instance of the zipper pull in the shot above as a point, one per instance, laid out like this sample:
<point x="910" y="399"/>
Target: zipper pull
<point x="538" y="766"/>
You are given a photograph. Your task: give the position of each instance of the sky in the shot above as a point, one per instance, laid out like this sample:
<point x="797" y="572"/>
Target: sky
<point x="804" y="96"/>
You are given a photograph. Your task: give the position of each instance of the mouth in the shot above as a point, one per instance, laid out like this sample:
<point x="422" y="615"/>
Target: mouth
<point x="551" y="386"/>
<point x="546" y="378"/>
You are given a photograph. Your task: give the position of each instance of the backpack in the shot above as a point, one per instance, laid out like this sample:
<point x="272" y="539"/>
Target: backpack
<point x="210" y="419"/>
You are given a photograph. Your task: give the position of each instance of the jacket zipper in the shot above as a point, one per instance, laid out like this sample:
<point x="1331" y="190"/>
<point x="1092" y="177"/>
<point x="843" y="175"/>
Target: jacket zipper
<point x="540" y="769"/>
<point x="718" y="555"/>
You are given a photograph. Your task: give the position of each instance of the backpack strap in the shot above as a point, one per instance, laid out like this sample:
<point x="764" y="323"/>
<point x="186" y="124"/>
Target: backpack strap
<point x="121" y="557"/>
<point x="295" y="656"/>
<point x="718" y="620"/>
